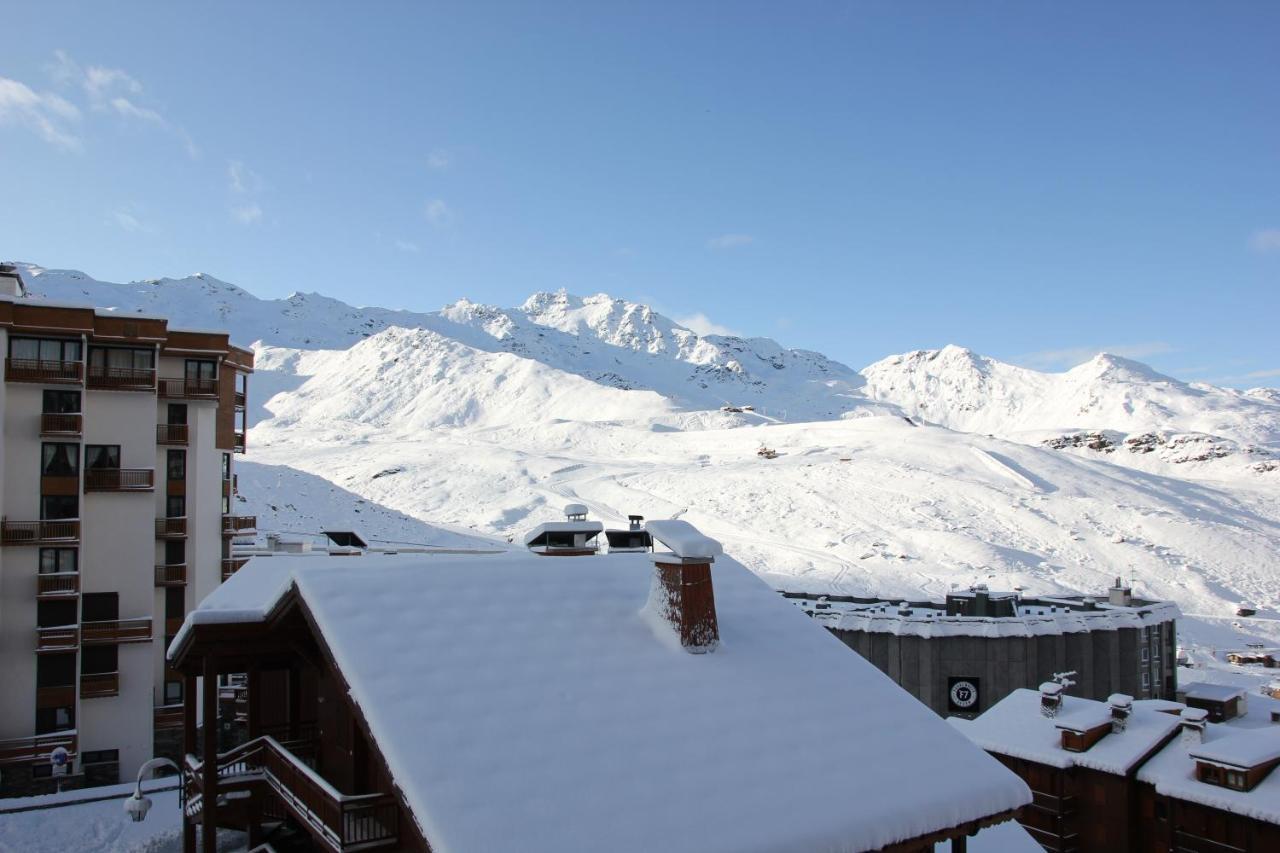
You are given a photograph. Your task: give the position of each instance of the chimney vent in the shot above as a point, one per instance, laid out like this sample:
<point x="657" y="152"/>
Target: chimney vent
<point x="636" y="522"/>
<point x="575" y="512"/>
<point x="681" y="592"/>
<point x="1050" y="698"/>
<point x="1193" y="723"/>
<point x="1121" y="707"/>
<point x="1120" y="595"/>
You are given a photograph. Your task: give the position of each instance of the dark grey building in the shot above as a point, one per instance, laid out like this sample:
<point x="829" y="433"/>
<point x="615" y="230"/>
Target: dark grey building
<point x="963" y="655"/>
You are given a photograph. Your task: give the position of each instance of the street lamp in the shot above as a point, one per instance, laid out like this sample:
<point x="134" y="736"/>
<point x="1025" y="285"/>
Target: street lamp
<point x="137" y="806"/>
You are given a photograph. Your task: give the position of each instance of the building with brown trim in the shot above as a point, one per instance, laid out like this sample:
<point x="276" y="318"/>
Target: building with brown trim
<point x="530" y="701"/>
<point x="118" y="481"/>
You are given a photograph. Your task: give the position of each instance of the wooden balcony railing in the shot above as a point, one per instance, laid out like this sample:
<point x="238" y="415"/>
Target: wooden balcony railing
<point x="238" y="443"/>
<point x="119" y="479"/>
<point x="168" y="716"/>
<point x="239" y="399"/>
<point x="116" y="631"/>
<point x="96" y="685"/>
<point x="171" y="528"/>
<point x="192" y="389"/>
<point x="58" y="585"/>
<point x="171" y="433"/>
<point x="341" y="821"/>
<point x="61" y="424"/>
<point x="61" y="531"/>
<point x="24" y="750"/>
<point x="231" y="565"/>
<point x="61" y="696"/>
<point x="239" y="523"/>
<point x="121" y="378"/>
<point x="171" y="574"/>
<point x="40" y="370"/>
<point x="64" y="638"/>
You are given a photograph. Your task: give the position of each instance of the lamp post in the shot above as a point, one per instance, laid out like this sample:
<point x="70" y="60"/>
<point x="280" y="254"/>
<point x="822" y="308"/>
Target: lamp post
<point x="137" y="805"/>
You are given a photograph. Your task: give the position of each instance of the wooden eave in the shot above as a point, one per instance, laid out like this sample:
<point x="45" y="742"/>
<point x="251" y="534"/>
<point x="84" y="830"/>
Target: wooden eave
<point x="281" y="637"/>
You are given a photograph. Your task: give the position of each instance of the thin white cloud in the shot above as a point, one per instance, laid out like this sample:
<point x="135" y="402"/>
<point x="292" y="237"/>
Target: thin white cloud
<point x="730" y="241"/>
<point x="1266" y="240"/>
<point x="246" y="214"/>
<point x="126" y="220"/>
<point x="439" y="160"/>
<point x="437" y="211"/>
<point x="703" y="325"/>
<point x="50" y="116"/>
<point x="1071" y="356"/>
<point x="406" y="246"/>
<point x="241" y="179"/>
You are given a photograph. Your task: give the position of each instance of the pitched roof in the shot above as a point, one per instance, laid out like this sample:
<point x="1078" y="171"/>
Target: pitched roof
<point x="525" y="697"/>
<point x="1173" y="772"/>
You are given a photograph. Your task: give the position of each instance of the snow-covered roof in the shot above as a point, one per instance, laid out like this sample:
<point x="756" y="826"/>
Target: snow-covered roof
<point x="1015" y="727"/>
<point x="518" y="696"/>
<point x="592" y="528"/>
<point x="1173" y="772"/>
<point x="1207" y="692"/>
<point x="1085" y="718"/>
<point x="884" y="618"/>
<point x="1247" y="749"/>
<point x="684" y="540"/>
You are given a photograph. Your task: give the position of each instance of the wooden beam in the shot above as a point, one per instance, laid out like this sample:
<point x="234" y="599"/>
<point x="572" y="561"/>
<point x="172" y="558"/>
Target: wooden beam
<point x="209" y="800"/>
<point x="295" y="703"/>
<point x="188" y="748"/>
<point x="255" y="702"/>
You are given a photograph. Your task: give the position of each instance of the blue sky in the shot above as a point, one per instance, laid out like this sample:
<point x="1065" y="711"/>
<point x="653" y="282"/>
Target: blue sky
<point x="1035" y="181"/>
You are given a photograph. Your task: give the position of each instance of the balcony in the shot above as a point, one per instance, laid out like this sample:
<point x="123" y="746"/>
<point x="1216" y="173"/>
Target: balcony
<point x="65" y="638"/>
<point x="121" y="378"/>
<point x="109" y="631"/>
<point x="61" y="425"/>
<point x="235" y="524"/>
<point x="232" y="565"/>
<point x="63" y="531"/>
<point x="60" y="696"/>
<point x="57" y="585"/>
<point x="44" y="372"/>
<point x="171" y="528"/>
<point x="171" y="574"/>
<point x="189" y="389"/>
<point x="96" y="685"/>
<point x="171" y="434"/>
<point x="237" y="443"/>
<point x="119" y="479"/>
<point x="168" y="717"/>
<point x="239" y="399"/>
<point x="25" y="750"/>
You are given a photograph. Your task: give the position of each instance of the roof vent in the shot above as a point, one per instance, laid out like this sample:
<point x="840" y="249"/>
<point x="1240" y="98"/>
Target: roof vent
<point x="1193" y="724"/>
<point x="681" y="592"/>
<point x="1121" y="708"/>
<point x="1120" y="595"/>
<point x="345" y="541"/>
<point x="1050" y="698"/>
<point x="636" y="522"/>
<point x="575" y="512"/>
<point x="575" y="537"/>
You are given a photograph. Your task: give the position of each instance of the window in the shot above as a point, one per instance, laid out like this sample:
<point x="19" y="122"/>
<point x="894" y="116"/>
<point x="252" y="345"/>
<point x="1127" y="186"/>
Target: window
<point x="172" y="691"/>
<point x="44" y="349"/>
<point x="177" y="464"/>
<point x="96" y="660"/>
<point x="100" y="756"/>
<point x="175" y="552"/>
<point x="1146" y="680"/>
<point x="49" y="720"/>
<point x="55" y="614"/>
<point x="175" y="506"/>
<point x="202" y="369"/>
<point x="226" y="505"/>
<point x="99" y="606"/>
<point x="175" y="602"/>
<point x="226" y="466"/>
<point x="1162" y="810"/>
<point x="56" y="670"/>
<point x="1146" y="653"/>
<point x="177" y="414"/>
<point x="53" y="560"/>
<point x="1235" y="779"/>
<point x="59" y="459"/>
<point x="61" y="402"/>
<point x="54" y="507"/>
<point x="99" y="456"/>
<point x="104" y="359"/>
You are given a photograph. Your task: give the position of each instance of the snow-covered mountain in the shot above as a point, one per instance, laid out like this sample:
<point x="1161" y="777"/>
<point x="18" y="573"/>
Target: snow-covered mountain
<point x="485" y="419"/>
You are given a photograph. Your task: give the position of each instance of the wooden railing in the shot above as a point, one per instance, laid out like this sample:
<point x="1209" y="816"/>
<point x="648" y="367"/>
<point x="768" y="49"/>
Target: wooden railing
<point x="238" y="443"/>
<point x="40" y="370"/>
<point x="64" y="638"/>
<point x="171" y="528"/>
<point x="39" y="532"/>
<point x="95" y="685"/>
<point x="171" y="574"/>
<point x="171" y="433"/>
<point x="231" y="565"/>
<point x="52" y="423"/>
<point x="116" y="631"/>
<point x="27" y="749"/>
<point x="239" y="399"/>
<point x="61" y="696"/>
<point x="119" y="479"/>
<point x="189" y="388"/>
<point x="58" y="585"/>
<point x="341" y="821"/>
<point x="168" y="716"/>
<point x="239" y="523"/>
<point x="122" y="378"/>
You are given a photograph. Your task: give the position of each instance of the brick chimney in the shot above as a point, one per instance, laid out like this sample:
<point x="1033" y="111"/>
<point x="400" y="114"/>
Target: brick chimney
<point x="1121" y="708"/>
<point x="681" y="592"/>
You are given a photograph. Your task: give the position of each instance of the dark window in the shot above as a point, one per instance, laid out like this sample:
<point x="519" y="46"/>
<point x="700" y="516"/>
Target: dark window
<point x="61" y="402"/>
<point x="177" y="415"/>
<point x="99" y="606"/>
<point x="201" y="369"/>
<point x="50" y="720"/>
<point x="100" y="659"/>
<point x="226" y="505"/>
<point x="226" y="466"/>
<point x="177" y="464"/>
<point x="100" y="756"/>
<point x="56" y="670"/>
<point x="120" y="358"/>
<point x="172" y="692"/>
<point x="44" y="349"/>
<point x="99" y="456"/>
<point x="55" y="614"/>
<point x="1162" y="810"/>
<point x="175" y="602"/>
<point x="54" y="507"/>
<point x="175" y="552"/>
<point x="59" y="459"/>
<point x="175" y="506"/>
<point x="58" y="560"/>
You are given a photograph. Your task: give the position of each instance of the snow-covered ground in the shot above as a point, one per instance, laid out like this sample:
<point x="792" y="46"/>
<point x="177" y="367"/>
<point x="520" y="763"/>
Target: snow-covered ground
<point x="482" y="421"/>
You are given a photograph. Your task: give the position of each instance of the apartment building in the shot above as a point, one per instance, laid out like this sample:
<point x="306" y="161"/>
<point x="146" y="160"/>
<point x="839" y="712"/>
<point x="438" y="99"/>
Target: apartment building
<point x="116" y="504"/>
